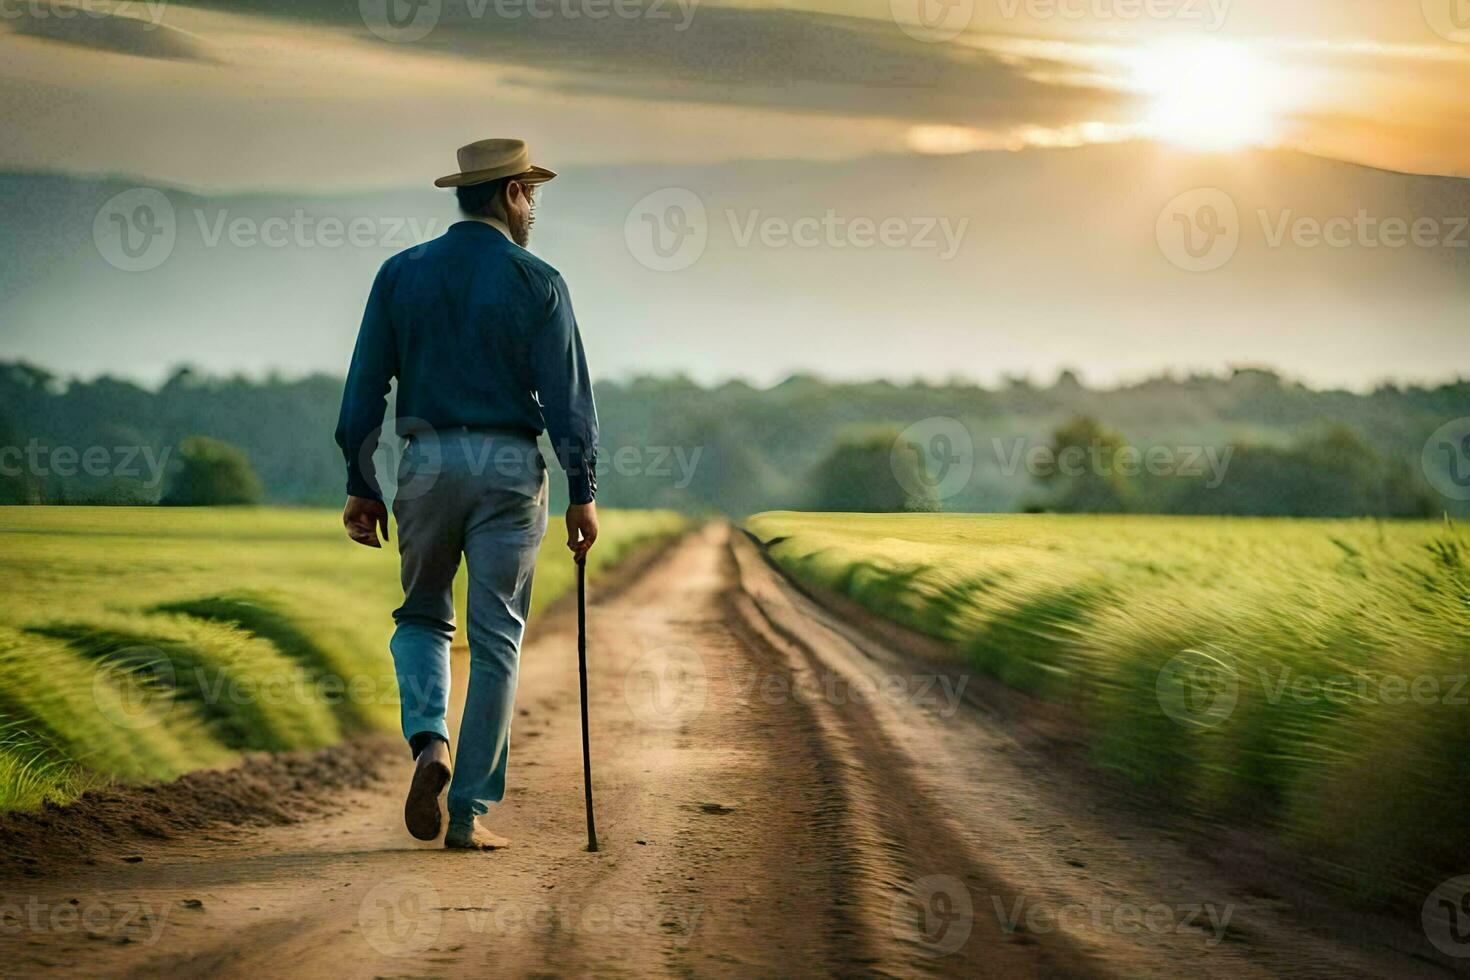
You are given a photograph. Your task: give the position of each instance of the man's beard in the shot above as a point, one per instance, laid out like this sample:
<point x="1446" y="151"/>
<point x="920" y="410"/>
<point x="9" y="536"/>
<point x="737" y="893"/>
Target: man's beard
<point x="520" y="230"/>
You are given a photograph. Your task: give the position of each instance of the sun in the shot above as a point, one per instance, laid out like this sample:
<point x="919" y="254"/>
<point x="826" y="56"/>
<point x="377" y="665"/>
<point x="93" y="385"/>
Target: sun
<point x="1207" y="95"/>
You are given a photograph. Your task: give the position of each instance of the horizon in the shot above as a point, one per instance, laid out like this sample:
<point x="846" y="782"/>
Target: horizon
<point x="1172" y="375"/>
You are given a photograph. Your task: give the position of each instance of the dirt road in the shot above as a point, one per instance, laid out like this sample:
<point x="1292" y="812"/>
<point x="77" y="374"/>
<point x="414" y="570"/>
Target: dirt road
<point x="779" y="793"/>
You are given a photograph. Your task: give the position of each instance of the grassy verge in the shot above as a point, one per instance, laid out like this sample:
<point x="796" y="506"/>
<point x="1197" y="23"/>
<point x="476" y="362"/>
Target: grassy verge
<point x="141" y="643"/>
<point x="1310" y="674"/>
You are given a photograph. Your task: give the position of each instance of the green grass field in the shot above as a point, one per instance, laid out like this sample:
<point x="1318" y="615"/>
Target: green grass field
<point x="142" y="643"/>
<point x="1307" y="675"/>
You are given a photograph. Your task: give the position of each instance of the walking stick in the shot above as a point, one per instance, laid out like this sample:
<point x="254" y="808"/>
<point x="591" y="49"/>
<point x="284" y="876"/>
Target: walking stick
<point x="582" y="670"/>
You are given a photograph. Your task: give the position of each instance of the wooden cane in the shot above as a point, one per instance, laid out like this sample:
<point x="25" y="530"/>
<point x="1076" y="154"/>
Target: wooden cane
<point x="582" y="670"/>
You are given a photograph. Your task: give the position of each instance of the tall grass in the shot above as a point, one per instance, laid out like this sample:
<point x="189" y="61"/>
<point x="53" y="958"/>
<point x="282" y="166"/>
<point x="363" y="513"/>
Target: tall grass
<point x="1308" y="675"/>
<point x="139" y="643"/>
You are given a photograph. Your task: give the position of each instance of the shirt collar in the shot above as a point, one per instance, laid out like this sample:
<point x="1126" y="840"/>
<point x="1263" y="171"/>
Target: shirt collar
<point x="495" y="223"/>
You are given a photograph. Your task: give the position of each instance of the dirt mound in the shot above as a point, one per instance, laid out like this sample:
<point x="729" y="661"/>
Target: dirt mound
<point x="108" y="825"/>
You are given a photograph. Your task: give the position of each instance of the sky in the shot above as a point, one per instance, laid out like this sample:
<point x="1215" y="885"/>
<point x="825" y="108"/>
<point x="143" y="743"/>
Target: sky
<point x="234" y="96"/>
<point x="320" y="96"/>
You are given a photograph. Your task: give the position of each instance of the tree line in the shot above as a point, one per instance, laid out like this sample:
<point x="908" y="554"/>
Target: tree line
<point x="1246" y="442"/>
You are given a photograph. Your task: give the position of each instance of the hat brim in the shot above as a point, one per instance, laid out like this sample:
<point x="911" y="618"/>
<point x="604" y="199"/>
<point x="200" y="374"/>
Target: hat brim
<point x="536" y="175"/>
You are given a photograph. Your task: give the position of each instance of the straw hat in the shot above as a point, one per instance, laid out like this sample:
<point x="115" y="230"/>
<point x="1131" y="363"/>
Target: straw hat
<point x="492" y="159"/>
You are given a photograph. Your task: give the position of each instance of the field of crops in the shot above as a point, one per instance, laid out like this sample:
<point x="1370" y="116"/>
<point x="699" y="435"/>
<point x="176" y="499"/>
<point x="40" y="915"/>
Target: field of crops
<point x="141" y="643"/>
<point x="1311" y="675"/>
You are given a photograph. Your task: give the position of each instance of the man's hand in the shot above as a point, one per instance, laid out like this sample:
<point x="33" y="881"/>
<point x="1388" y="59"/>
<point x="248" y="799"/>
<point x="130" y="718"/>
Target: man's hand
<point x="581" y="530"/>
<point x="363" y="516"/>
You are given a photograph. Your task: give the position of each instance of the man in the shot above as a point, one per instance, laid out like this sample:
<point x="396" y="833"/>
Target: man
<point x="480" y="335"/>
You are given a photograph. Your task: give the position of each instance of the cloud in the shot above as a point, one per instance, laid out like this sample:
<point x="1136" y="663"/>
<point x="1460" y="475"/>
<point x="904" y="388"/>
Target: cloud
<point x="97" y="30"/>
<point x="781" y="59"/>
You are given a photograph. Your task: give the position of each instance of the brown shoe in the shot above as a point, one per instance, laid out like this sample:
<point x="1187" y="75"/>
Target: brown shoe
<point x="431" y="772"/>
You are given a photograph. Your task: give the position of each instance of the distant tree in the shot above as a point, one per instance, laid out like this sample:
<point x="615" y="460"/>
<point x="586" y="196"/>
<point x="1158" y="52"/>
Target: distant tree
<point x="17" y="484"/>
<point x="1335" y="473"/>
<point x="209" y="472"/>
<point x="872" y="473"/>
<point x="1085" y="477"/>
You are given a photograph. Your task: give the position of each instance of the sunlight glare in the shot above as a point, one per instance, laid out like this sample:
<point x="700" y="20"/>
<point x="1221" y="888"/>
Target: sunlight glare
<point x="1214" y="95"/>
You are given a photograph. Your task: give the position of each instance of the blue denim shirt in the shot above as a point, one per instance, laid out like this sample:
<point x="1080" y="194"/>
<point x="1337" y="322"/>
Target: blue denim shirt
<point x="479" y="333"/>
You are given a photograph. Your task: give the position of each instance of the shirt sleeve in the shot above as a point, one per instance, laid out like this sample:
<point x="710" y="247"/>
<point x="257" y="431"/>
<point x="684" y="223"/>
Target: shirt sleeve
<point x="365" y="398"/>
<point x="564" y="390"/>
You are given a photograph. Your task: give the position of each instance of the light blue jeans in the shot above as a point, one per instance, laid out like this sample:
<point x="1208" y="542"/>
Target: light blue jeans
<point x="482" y="495"/>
